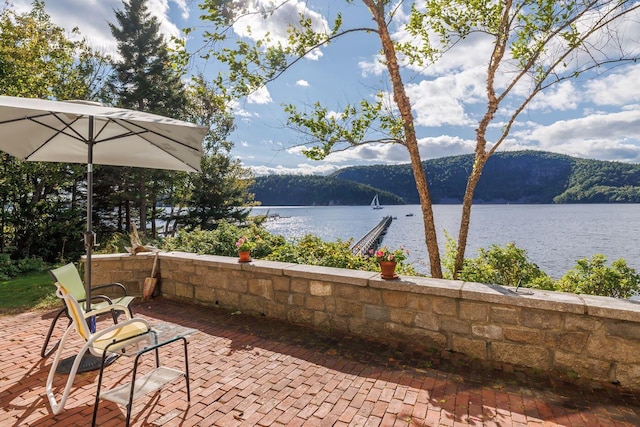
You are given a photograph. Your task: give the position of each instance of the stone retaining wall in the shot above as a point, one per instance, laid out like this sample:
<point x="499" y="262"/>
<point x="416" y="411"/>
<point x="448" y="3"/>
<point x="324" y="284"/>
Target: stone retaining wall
<point x="593" y="337"/>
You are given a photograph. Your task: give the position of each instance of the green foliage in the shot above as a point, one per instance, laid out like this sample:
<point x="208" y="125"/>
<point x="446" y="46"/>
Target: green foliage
<point x="593" y="277"/>
<point x="247" y="243"/>
<point x="10" y="268"/>
<point x="509" y="266"/>
<point x="40" y="214"/>
<point x="39" y="60"/>
<point x="386" y="254"/>
<point x="222" y="240"/>
<point x="514" y="177"/>
<point x="353" y="126"/>
<point x="505" y="266"/>
<point x="221" y="189"/>
<point x="310" y="250"/>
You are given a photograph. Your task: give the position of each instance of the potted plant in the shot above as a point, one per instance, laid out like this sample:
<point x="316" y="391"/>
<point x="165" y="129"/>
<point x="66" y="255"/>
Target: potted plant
<point x="245" y="245"/>
<point x="388" y="260"/>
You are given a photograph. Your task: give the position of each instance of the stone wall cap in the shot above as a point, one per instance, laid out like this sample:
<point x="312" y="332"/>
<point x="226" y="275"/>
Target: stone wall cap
<point x="267" y="267"/>
<point x="523" y="297"/>
<point x="108" y="256"/>
<point x="612" y="308"/>
<point x="419" y="285"/>
<point x="314" y="272"/>
<point x="203" y="259"/>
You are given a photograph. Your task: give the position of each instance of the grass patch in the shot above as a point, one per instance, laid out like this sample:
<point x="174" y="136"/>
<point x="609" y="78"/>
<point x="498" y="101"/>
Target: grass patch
<point x="32" y="290"/>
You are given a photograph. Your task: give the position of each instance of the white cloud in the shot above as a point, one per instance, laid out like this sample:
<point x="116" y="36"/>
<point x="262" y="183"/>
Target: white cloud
<point x="443" y="146"/>
<point x="260" y="96"/>
<point x="374" y="67"/>
<point x="239" y="111"/>
<point x="618" y="88"/>
<point x="442" y="101"/>
<point x="302" y="83"/>
<point x="559" y="97"/>
<point x="614" y="136"/>
<point x="300" y="169"/>
<point x="272" y="27"/>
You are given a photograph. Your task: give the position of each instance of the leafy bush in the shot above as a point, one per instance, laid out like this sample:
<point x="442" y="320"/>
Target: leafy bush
<point x="593" y="277"/>
<point x="505" y="266"/>
<point x="10" y="268"/>
<point x="310" y="250"/>
<point x="222" y="240"/>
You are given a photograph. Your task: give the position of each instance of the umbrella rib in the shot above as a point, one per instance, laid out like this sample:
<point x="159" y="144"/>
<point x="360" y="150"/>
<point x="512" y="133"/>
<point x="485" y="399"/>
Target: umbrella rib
<point x="74" y="134"/>
<point x="142" y="130"/>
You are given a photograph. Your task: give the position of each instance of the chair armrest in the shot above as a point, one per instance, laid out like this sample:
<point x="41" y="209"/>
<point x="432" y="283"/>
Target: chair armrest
<point x="112" y="285"/>
<point x="107" y="309"/>
<point x="100" y="298"/>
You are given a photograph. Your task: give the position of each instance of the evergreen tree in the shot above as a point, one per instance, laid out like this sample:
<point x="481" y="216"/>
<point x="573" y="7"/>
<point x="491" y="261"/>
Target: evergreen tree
<point x="220" y="191"/>
<point x="143" y="80"/>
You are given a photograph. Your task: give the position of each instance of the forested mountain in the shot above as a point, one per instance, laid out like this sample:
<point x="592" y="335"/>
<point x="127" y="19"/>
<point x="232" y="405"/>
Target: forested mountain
<point x="308" y="190"/>
<point x="509" y="177"/>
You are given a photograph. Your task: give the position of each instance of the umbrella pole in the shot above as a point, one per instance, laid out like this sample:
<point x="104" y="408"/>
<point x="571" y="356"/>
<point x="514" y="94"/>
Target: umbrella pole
<point x="89" y="236"/>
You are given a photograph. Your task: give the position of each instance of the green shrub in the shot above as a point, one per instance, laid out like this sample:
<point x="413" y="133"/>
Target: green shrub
<point x="10" y="269"/>
<point x="593" y="277"/>
<point x="222" y="240"/>
<point x="505" y="266"/>
<point x="310" y="250"/>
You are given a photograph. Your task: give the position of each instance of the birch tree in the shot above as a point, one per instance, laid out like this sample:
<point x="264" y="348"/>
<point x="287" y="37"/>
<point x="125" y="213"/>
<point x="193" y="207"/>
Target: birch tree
<point x="535" y="45"/>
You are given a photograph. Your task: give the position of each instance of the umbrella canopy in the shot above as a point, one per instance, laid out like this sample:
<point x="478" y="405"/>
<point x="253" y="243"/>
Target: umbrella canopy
<point x="56" y="131"/>
<point x="86" y="132"/>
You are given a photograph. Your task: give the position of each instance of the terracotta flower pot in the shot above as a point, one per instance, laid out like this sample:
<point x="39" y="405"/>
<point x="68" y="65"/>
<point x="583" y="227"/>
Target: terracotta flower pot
<point x="388" y="270"/>
<point x="244" y="256"/>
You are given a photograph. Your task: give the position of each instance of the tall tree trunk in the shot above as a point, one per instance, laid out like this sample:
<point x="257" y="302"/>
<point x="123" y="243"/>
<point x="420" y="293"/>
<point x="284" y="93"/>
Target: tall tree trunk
<point x="154" y="209"/>
<point x="127" y="215"/>
<point x="120" y="222"/>
<point x="142" y="202"/>
<point x="465" y="220"/>
<point x="404" y="106"/>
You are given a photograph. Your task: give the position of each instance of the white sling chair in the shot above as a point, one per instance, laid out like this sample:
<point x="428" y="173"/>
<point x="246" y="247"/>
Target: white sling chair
<point x="124" y="333"/>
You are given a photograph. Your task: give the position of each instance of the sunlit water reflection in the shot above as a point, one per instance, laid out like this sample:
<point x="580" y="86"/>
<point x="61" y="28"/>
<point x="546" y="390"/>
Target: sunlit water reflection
<point x="554" y="236"/>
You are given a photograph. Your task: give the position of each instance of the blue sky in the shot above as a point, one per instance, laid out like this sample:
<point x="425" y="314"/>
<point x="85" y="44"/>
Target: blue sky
<point x="596" y="118"/>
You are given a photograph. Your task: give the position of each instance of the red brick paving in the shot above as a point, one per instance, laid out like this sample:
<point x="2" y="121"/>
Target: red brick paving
<point x="253" y="371"/>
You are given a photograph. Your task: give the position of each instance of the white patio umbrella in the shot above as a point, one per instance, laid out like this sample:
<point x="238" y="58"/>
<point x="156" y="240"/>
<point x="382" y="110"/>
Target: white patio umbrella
<point x="86" y="132"/>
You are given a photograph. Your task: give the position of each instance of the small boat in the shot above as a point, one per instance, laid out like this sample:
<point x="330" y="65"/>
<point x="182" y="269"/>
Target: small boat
<point x="375" y="203"/>
<point x="409" y="214"/>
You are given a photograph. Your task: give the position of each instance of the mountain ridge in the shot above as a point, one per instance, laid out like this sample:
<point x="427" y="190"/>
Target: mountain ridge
<point x="536" y="177"/>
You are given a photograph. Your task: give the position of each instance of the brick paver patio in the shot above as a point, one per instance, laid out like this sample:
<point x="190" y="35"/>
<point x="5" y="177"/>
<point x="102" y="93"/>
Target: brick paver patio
<point x="248" y="371"/>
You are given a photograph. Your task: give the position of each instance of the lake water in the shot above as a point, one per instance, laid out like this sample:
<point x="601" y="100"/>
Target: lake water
<point x="554" y="236"/>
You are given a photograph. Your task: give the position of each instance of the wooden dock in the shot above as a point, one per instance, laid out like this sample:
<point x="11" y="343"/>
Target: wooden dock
<point x="372" y="240"/>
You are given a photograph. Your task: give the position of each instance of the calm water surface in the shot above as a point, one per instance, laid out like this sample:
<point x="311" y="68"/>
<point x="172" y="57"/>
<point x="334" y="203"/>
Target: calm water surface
<point x="554" y="236"/>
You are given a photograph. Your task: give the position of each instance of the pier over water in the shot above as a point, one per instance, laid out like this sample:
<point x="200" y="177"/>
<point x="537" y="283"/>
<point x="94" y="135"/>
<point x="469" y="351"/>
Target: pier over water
<point x="373" y="238"/>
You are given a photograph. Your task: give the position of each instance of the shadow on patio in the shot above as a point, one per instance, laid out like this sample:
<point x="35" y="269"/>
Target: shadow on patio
<point x="249" y="370"/>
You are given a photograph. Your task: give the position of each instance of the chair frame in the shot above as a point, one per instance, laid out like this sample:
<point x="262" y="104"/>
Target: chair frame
<point x="97" y="298"/>
<point x="79" y="325"/>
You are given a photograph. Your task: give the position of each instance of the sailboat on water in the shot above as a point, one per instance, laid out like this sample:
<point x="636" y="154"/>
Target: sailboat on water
<point x="375" y="203"/>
